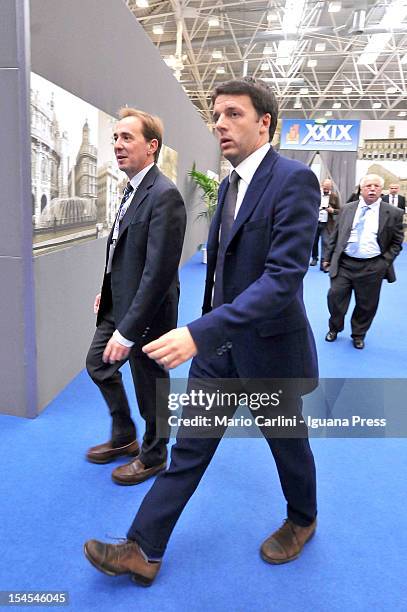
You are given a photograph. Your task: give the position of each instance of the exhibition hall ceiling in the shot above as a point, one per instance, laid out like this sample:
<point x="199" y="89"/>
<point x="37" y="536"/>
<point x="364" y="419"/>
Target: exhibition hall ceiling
<point x="324" y="59"/>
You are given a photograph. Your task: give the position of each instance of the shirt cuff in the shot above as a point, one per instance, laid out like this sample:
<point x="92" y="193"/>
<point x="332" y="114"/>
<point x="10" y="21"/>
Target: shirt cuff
<point x="121" y="340"/>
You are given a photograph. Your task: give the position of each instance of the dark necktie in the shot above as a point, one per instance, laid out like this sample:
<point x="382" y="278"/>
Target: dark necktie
<point x="394" y="200"/>
<point x="228" y="216"/>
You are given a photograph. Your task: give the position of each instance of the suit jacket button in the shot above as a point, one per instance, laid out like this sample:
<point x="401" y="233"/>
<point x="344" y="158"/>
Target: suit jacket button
<point x="219" y="351"/>
<point x="228" y="345"/>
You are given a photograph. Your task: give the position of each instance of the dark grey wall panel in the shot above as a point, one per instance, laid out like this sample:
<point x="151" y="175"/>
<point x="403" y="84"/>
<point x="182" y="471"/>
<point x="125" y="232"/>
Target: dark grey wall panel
<point x="17" y="321"/>
<point x="17" y="394"/>
<point x="8" y="39"/>
<point x="10" y="146"/>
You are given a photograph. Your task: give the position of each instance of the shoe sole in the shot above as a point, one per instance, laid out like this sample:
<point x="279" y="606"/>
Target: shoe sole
<point x="137" y="578"/>
<point x="124" y="483"/>
<point x="282" y="561"/>
<point x="134" y="453"/>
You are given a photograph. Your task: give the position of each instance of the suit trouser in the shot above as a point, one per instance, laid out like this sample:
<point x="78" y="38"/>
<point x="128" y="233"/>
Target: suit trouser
<point x="164" y="503"/>
<point x="364" y="277"/>
<point x="322" y="230"/>
<point x="145" y="372"/>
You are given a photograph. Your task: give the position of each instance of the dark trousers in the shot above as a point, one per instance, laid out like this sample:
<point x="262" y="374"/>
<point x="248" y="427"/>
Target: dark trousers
<point x="322" y="231"/>
<point x="164" y="503"/>
<point x="145" y="372"/>
<point x="364" y="277"/>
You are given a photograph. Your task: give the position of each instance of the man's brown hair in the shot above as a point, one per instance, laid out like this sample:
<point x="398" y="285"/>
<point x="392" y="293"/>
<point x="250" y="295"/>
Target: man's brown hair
<point x="152" y="127"/>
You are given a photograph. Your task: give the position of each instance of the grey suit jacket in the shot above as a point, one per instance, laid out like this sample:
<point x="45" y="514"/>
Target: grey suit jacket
<point x="389" y="236"/>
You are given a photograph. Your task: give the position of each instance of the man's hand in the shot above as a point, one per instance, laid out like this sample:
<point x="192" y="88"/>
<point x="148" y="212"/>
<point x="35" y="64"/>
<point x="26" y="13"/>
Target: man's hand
<point x="325" y="265"/>
<point x="330" y="210"/>
<point x="172" y="349"/>
<point x="96" y="303"/>
<point x="115" y="351"/>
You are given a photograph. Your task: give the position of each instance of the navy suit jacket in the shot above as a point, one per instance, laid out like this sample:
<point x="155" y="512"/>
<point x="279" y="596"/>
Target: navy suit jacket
<point x="263" y="320"/>
<point x="144" y="287"/>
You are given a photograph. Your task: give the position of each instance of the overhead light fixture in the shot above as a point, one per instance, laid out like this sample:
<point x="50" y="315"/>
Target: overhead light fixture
<point x="264" y="66"/>
<point x="213" y="22"/>
<point x="377" y="105"/>
<point x="394" y="14"/>
<point x="359" y="21"/>
<point x="304" y="91"/>
<point x="220" y="70"/>
<point x="272" y="16"/>
<point x="268" y="50"/>
<point x="391" y="89"/>
<point x="142" y="3"/>
<point x="404" y="59"/>
<point x="320" y="120"/>
<point x="334" y="7"/>
<point x="312" y="63"/>
<point x="347" y="90"/>
<point x="297" y="103"/>
<point x="170" y="61"/>
<point x="285" y="52"/>
<point x="217" y="54"/>
<point x="284" y="80"/>
<point x="402" y="114"/>
<point x="158" y="29"/>
<point x="328" y="114"/>
<point x="374" y="47"/>
<point x="293" y="10"/>
<point x="320" y="47"/>
<point x="336" y="105"/>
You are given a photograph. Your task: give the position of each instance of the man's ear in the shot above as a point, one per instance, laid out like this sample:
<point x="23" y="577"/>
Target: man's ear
<point x="153" y="146"/>
<point x="266" y="120"/>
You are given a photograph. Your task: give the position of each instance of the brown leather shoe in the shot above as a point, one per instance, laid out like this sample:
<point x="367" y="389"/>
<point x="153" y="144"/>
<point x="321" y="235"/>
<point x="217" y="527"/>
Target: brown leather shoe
<point x="286" y="543"/>
<point x="104" y="453"/>
<point x="117" y="559"/>
<point x="135" y="472"/>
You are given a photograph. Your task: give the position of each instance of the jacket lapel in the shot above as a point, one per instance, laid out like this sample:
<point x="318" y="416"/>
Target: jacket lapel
<point x="141" y="193"/>
<point x="383" y="217"/>
<point x="348" y="222"/>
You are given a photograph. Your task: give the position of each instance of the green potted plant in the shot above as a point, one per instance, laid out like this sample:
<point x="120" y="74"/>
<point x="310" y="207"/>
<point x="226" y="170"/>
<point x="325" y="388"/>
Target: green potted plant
<point x="210" y="187"/>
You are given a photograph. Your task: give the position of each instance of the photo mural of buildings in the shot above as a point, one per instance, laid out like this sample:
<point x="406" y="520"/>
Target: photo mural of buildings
<point x="76" y="185"/>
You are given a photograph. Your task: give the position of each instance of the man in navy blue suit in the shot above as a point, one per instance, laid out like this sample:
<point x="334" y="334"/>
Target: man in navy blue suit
<point x="253" y="328"/>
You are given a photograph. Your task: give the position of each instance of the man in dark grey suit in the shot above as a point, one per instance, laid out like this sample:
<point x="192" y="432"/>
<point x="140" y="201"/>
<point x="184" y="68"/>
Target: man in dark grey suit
<point x="139" y="297"/>
<point x="394" y="198"/>
<point x="366" y="240"/>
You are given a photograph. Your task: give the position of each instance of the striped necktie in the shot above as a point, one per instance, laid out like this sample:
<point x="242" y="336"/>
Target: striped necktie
<point x="128" y="190"/>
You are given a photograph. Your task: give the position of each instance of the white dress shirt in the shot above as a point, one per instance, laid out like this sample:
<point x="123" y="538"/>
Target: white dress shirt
<point x="368" y="245"/>
<point x="246" y="170"/>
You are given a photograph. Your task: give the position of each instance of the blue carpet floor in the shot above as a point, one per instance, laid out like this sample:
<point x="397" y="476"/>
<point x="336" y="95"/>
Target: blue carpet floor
<point x="52" y="500"/>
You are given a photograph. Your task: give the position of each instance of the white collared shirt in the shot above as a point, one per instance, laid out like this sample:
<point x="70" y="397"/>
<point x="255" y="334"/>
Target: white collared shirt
<point x="323" y="213"/>
<point x="246" y="170"/>
<point x="368" y="245"/>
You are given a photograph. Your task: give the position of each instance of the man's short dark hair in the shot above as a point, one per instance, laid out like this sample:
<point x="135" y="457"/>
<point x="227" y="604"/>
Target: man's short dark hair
<point x="261" y="95"/>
